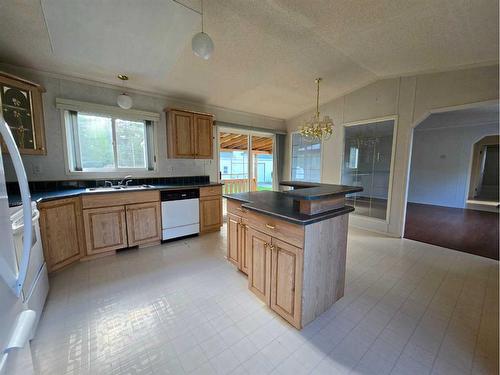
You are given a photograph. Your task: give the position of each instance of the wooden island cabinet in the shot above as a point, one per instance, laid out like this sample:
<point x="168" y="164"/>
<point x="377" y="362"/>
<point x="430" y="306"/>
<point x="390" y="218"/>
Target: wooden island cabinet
<point x="295" y="258"/>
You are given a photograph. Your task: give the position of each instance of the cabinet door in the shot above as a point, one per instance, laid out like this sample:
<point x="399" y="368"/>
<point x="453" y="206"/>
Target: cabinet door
<point x="259" y="266"/>
<point x="180" y="135"/>
<point x="22" y="109"/>
<point x="61" y="228"/>
<point x="105" y="229"/>
<point x="203" y="136"/>
<point x="242" y="246"/>
<point x="286" y="281"/>
<point x="143" y="223"/>
<point x="210" y="213"/>
<point x="233" y="228"/>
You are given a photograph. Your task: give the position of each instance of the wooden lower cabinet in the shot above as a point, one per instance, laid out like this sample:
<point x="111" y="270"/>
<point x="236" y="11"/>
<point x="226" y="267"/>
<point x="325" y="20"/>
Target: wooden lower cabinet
<point x="143" y="223"/>
<point x="233" y="243"/>
<point x="236" y="242"/>
<point x="275" y="274"/>
<point x="210" y="213"/>
<point x="286" y="280"/>
<point x="242" y="247"/>
<point x="259" y="270"/>
<point x="61" y="229"/>
<point x="105" y="229"/>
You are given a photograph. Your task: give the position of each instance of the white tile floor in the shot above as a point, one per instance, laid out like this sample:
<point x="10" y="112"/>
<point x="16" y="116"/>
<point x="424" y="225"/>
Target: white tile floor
<point x="409" y="308"/>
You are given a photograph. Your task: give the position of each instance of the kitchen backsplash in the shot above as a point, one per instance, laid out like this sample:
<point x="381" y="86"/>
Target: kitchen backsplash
<point x="42" y="186"/>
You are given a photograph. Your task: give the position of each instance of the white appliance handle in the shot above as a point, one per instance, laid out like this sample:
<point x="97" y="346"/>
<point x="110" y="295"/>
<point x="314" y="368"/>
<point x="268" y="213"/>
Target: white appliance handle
<point x="26" y="199"/>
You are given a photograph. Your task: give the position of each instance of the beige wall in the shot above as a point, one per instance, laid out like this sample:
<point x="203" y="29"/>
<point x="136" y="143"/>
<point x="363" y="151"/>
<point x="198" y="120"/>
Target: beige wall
<point x="410" y="99"/>
<point x="52" y="167"/>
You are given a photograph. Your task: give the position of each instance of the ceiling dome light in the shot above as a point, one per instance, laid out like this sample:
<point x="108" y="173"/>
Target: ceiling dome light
<point x="202" y="45"/>
<point x="124" y="101"/>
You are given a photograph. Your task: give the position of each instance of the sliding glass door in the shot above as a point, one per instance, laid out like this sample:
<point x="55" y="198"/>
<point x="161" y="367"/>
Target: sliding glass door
<point x="246" y="160"/>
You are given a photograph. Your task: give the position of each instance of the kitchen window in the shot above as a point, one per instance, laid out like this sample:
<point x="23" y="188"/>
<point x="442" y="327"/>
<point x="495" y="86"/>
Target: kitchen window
<point x="114" y="142"/>
<point x="101" y="143"/>
<point x="306" y="159"/>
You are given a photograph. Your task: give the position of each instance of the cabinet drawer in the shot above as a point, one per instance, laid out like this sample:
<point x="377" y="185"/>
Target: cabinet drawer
<point x="234" y="207"/>
<point x="210" y="190"/>
<point x="119" y="199"/>
<point x="280" y="229"/>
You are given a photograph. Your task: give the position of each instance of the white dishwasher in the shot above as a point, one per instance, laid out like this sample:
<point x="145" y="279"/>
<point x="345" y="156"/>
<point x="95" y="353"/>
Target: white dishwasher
<point x="180" y="213"/>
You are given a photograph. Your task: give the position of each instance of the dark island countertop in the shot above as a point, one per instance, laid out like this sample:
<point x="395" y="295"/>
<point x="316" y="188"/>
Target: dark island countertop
<point x="282" y="206"/>
<point x="15" y="199"/>
<point x="314" y="191"/>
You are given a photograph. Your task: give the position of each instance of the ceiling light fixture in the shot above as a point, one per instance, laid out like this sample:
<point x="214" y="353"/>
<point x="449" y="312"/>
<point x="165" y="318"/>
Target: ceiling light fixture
<point x="202" y="44"/>
<point x="317" y="128"/>
<point x="123" y="100"/>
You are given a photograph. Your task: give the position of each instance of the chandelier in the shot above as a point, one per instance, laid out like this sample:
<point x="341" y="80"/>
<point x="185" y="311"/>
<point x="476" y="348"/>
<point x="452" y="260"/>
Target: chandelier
<point x="317" y="128"/>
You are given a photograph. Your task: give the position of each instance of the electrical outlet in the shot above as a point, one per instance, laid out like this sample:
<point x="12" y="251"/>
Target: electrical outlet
<point x="36" y="169"/>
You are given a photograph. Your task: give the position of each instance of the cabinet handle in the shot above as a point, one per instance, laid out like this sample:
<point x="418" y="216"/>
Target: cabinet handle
<point x="241" y="209"/>
<point x="270" y="226"/>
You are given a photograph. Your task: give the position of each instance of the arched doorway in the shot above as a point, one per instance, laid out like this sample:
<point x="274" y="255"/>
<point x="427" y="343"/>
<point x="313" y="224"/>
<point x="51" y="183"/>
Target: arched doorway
<point x="438" y="207"/>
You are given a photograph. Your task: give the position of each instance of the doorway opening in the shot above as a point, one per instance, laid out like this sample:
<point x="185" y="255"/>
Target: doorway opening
<point x="453" y="173"/>
<point x="484" y="189"/>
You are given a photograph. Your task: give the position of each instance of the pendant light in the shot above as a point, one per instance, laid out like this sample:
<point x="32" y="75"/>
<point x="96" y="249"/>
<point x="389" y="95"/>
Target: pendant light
<point x="202" y="44"/>
<point x="123" y="100"/>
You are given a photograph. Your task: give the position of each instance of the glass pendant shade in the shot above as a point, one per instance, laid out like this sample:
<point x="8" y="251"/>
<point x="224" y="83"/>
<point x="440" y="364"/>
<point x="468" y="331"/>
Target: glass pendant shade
<point x="124" y="101"/>
<point x="202" y="45"/>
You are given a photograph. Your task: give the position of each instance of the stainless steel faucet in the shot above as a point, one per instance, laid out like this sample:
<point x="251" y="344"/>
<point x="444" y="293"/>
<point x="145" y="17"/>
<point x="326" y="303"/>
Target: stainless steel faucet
<point x="125" y="179"/>
<point x="108" y="183"/>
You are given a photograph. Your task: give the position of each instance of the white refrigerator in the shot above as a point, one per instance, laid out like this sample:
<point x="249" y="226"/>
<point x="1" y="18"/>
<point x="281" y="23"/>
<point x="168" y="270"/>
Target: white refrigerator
<point x="16" y="319"/>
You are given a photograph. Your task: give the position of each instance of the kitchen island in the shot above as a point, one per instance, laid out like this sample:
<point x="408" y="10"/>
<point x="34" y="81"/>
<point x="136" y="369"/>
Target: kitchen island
<point x="292" y="245"/>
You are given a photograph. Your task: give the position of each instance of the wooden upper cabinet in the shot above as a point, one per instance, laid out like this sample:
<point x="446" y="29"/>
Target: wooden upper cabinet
<point x="286" y="281"/>
<point x="203" y="136"/>
<point x="189" y="135"/>
<point x="22" y="109"/>
<point x="62" y="232"/>
<point x="105" y="229"/>
<point x="143" y="223"/>
<point x="180" y="139"/>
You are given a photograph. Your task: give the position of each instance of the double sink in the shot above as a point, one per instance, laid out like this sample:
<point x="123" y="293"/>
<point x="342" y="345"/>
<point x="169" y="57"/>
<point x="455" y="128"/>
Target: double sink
<point x="102" y="189"/>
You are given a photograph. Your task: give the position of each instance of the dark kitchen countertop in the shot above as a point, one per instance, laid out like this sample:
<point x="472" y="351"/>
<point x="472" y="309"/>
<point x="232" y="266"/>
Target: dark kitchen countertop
<point x="15" y="199"/>
<point x="314" y="191"/>
<point x="282" y="206"/>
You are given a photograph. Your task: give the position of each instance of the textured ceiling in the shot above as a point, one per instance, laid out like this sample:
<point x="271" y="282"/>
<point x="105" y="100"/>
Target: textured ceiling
<point x="267" y="53"/>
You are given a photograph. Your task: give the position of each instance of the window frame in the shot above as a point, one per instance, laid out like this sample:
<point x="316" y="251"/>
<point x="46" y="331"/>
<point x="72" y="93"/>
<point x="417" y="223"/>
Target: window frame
<point x="66" y="105"/>
<point x="290" y="146"/>
<point x="391" y="172"/>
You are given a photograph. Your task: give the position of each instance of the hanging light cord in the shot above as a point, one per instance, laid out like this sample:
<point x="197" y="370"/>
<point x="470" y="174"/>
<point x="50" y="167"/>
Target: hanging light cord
<point x="317" y="97"/>
<point x="202" y="30"/>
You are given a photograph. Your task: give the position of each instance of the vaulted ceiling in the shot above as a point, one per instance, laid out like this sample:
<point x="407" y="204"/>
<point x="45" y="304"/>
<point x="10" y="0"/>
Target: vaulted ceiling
<point x="267" y="52"/>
